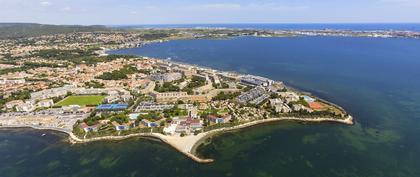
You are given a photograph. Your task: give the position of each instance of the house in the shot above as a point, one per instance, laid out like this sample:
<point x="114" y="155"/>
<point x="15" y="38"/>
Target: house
<point x="120" y="127"/>
<point x="216" y="119"/>
<point x="45" y="103"/>
<point x="88" y="128"/>
<point x="148" y="123"/>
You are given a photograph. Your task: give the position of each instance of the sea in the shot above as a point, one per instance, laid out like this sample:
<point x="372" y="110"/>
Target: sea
<point x="377" y="80"/>
<point x="289" y="26"/>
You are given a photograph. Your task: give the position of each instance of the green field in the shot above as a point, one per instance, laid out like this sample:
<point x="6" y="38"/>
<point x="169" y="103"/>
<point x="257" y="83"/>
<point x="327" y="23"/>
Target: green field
<point x="81" y="100"/>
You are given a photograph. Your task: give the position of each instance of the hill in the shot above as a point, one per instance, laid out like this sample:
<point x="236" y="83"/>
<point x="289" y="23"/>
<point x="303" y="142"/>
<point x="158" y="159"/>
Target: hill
<point x="17" y="30"/>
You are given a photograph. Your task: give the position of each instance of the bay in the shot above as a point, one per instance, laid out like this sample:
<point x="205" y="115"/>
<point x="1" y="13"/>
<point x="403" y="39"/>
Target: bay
<point x="376" y="80"/>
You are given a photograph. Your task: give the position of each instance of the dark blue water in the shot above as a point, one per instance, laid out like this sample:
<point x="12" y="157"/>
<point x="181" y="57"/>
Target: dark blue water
<point x="376" y="80"/>
<point x="287" y="26"/>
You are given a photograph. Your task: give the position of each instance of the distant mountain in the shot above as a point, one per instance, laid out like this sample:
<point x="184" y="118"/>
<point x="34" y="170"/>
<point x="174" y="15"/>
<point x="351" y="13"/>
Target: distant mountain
<point x="17" y="30"/>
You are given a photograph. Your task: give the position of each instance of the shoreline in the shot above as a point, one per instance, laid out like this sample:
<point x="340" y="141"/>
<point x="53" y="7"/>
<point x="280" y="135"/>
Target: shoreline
<point x="187" y="145"/>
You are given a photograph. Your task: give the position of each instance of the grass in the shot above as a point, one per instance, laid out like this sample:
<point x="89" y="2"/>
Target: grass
<point x="82" y="100"/>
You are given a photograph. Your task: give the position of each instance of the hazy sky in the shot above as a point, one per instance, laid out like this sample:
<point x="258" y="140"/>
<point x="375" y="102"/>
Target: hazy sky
<point x="208" y="11"/>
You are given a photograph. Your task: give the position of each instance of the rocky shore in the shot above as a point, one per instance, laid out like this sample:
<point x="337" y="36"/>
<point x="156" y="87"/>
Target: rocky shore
<point x="187" y="145"/>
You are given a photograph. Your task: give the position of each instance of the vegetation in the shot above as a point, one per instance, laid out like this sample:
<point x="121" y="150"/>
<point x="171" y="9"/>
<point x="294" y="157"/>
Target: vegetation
<point x="64" y="54"/>
<point x="18" y="95"/>
<point x="94" y="84"/>
<point x="167" y="87"/>
<point x="151" y="116"/>
<point x="174" y="112"/>
<point x="301" y="101"/>
<point x="119" y="118"/>
<point x="226" y="96"/>
<point x="217" y="126"/>
<point x="194" y="83"/>
<point x="119" y="74"/>
<point x="20" y="30"/>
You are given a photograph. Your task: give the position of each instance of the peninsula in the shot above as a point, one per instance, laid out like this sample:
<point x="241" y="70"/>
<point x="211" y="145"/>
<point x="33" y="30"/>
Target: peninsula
<point x="68" y="83"/>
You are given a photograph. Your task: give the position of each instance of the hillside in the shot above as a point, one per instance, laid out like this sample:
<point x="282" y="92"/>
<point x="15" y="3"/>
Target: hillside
<point x="16" y="30"/>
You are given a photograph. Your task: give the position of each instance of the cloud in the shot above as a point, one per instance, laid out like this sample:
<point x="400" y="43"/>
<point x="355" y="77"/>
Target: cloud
<point x="45" y="3"/>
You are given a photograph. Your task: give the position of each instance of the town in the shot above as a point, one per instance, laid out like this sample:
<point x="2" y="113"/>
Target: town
<point x="70" y="84"/>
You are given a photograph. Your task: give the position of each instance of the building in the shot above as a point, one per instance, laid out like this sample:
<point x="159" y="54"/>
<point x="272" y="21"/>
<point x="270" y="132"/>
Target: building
<point x="148" y="123"/>
<point x="26" y="107"/>
<point x="251" y="95"/>
<point x="120" y="127"/>
<point x="308" y="99"/>
<point x="71" y="109"/>
<point x="13" y="81"/>
<point x="88" y="128"/>
<point x="276" y="101"/>
<point x="51" y="93"/>
<point x="256" y="81"/>
<point x="166" y="77"/>
<point x="149" y="88"/>
<point x="192" y="111"/>
<point x="169" y="96"/>
<point x="289" y="96"/>
<point x="111" y="107"/>
<point x="299" y="107"/>
<point x="45" y="103"/>
<point x="14" y="103"/>
<point x="170" y="129"/>
<point x="217" y="120"/>
<point x="147" y="106"/>
<point x="282" y="108"/>
<point x="181" y="129"/>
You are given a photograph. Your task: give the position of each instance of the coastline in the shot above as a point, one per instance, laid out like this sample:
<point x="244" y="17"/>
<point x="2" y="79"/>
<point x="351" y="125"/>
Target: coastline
<point x="187" y="145"/>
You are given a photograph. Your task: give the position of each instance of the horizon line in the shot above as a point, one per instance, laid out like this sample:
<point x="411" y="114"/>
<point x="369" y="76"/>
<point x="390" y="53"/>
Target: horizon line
<point x="250" y="23"/>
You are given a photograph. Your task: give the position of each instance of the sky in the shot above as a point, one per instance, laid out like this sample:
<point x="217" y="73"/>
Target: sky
<point x="135" y="12"/>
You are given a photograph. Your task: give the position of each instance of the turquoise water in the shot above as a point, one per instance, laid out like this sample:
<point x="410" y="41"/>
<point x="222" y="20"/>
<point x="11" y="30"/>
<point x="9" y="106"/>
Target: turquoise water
<point x="376" y="80"/>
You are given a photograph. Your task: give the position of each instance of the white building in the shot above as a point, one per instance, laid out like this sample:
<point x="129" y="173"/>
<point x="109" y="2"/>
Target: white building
<point x="12" y="104"/>
<point x="13" y="81"/>
<point x="26" y="107"/>
<point x="45" y="103"/>
<point x="170" y="129"/>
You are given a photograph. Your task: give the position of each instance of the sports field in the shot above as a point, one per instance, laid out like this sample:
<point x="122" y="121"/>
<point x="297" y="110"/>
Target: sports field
<point x="82" y="100"/>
